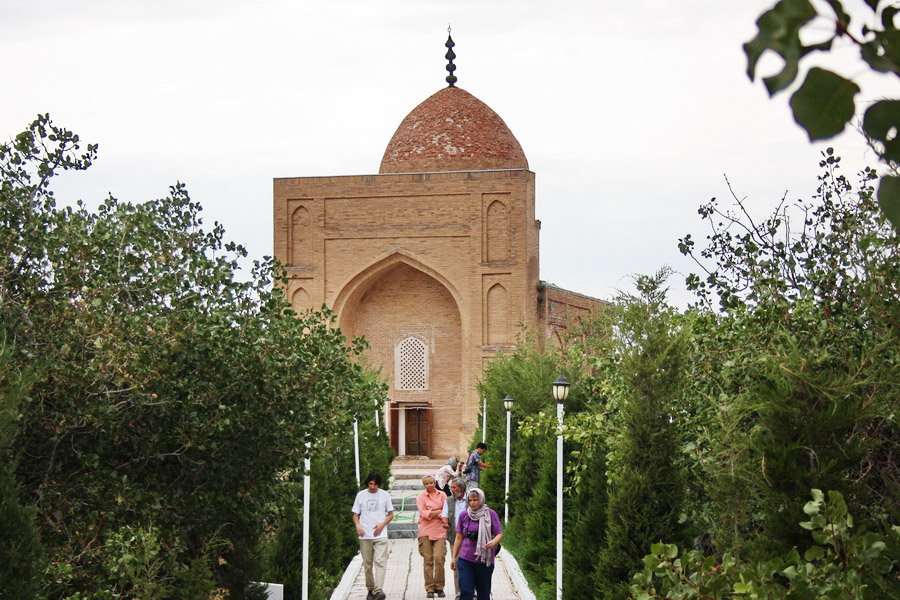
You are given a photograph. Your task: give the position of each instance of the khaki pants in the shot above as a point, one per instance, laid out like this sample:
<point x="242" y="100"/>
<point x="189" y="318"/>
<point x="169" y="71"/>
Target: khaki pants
<point x="450" y="546"/>
<point x="433" y="551"/>
<point x="374" y="552"/>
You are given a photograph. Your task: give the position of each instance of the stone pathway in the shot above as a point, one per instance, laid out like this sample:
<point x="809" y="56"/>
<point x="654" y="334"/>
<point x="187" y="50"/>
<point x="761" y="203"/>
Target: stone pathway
<point x="405" y="577"/>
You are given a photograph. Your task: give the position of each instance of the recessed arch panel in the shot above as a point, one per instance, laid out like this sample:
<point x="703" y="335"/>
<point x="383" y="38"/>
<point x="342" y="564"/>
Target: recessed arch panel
<point x="300" y="299"/>
<point x="300" y="237"/>
<point x="497" y="232"/>
<point x="498" y="317"/>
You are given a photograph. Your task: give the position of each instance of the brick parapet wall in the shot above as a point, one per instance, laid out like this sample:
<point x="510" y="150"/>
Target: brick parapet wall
<point x="564" y="308"/>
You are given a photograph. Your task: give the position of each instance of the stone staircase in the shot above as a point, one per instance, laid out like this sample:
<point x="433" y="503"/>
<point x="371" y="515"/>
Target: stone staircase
<point x="405" y="485"/>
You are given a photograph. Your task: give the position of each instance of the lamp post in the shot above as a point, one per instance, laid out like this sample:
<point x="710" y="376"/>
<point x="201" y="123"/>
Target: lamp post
<point x="356" y="449"/>
<point x="377" y="423"/>
<point x="560" y="393"/>
<point x="304" y="579"/>
<point x="507" y="404"/>
<point x="483" y="419"/>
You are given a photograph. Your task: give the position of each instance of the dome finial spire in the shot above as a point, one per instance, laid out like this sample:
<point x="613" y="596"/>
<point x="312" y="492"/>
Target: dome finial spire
<point x="451" y="78"/>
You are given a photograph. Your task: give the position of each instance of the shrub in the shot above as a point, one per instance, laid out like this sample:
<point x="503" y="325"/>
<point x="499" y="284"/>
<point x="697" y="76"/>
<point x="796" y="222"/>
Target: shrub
<point x="840" y="564"/>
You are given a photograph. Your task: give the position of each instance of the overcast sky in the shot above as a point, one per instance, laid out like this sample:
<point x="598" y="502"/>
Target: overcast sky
<point x="630" y="113"/>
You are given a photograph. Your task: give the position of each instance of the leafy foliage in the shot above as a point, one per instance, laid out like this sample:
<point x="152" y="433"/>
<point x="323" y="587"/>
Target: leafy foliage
<point x="781" y="378"/>
<point x="824" y="103"/>
<point x="646" y="489"/>
<point x="798" y="373"/>
<point x="20" y="549"/>
<point x="842" y="564"/>
<point x="170" y="393"/>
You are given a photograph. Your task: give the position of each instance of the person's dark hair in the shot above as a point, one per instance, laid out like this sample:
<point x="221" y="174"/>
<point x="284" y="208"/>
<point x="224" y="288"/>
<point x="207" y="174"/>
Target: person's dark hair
<point x="373" y="476"/>
<point x="480" y="445"/>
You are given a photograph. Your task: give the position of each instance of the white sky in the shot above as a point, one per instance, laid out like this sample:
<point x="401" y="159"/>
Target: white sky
<point x="630" y="113"/>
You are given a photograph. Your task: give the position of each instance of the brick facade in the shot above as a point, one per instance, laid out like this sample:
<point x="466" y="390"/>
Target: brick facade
<point x="448" y="258"/>
<point x="560" y="309"/>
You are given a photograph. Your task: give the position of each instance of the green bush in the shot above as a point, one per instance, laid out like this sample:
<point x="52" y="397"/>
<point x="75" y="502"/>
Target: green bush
<point x="586" y="524"/>
<point x="20" y="550"/>
<point x="795" y="376"/>
<point x="840" y="564"/>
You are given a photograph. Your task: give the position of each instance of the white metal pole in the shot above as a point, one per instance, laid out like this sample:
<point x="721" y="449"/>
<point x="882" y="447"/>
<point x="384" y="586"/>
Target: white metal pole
<point x="484" y="419"/>
<point x="559" y="501"/>
<point x="377" y="424"/>
<point x="356" y="449"/>
<point x="506" y="495"/>
<point x="304" y="586"/>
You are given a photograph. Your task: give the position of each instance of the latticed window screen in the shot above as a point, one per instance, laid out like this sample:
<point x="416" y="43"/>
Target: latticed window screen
<point x="412" y="364"/>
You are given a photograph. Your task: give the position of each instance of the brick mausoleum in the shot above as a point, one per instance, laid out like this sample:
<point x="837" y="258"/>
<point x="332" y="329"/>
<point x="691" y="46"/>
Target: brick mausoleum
<point x="434" y="260"/>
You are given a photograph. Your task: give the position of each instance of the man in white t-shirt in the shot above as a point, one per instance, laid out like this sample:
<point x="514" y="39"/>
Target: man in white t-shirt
<point x="373" y="509"/>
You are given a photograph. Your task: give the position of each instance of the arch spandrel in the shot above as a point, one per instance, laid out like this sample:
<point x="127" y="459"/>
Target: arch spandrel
<point x="356" y="286"/>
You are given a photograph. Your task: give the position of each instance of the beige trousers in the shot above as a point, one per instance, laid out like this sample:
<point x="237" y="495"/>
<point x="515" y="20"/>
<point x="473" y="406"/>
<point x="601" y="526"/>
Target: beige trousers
<point x="374" y="555"/>
<point x="433" y="551"/>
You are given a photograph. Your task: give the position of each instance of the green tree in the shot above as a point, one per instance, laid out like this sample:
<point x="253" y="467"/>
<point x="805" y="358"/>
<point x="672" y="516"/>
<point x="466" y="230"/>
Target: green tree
<point x="525" y="375"/>
<point x="20" y="549"/>
<point x="646" y="488"/>
<point x="172" y="393"/>
<point x="797" y="370"/>
<point x="585" y="529"/>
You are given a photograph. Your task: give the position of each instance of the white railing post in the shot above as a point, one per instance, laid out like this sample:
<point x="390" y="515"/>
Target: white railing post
<point x="356" y="449"/>
<point x="484" y="419"/>
<point x="506" y="495"/>
<point x="304" y="591"/>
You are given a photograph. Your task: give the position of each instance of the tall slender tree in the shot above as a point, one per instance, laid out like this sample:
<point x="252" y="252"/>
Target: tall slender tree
<point x="646" y="488"/>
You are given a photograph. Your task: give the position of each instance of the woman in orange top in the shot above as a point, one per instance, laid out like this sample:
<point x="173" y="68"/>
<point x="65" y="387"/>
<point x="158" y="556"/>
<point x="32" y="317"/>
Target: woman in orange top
<point x="432" y="536"/>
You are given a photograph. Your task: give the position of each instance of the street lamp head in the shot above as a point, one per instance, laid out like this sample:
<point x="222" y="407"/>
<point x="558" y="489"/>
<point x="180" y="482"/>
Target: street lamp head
<point x="561" y="389"/>
<point x="508" y="402"/>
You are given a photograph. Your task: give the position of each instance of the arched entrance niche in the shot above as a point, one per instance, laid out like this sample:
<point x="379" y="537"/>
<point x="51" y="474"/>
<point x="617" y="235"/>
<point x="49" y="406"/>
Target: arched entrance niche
<point x="412" y="322"/>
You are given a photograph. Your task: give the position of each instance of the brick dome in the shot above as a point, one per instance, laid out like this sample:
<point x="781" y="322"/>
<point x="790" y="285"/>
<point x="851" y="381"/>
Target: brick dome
<point x="452" y="131"/>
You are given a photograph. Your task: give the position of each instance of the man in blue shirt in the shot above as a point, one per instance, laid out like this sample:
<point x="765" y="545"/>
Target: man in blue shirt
<point x="474" y="465"/>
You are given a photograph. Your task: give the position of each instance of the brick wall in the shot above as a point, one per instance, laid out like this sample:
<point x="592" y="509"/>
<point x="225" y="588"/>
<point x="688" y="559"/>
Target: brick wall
<point x="450" y="257"/>
<point x="563" y="308"/>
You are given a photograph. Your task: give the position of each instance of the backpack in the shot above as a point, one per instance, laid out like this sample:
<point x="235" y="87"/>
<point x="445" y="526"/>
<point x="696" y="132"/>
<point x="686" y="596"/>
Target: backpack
<point x="469" y="465"/>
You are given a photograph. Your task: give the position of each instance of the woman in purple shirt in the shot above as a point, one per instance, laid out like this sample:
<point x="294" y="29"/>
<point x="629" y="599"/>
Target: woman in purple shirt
<point x="478" y="536"/>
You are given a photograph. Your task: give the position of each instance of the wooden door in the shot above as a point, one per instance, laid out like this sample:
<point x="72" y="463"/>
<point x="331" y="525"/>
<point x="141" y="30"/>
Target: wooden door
<point x="417" y="431"/>
<point x="394" y="426"/>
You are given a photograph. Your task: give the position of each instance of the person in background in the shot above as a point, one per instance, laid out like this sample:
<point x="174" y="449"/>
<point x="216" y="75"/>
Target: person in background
<point x="373" y="509"/>
<point x="474" y="465"/>
<point x="478" y="535"/>
<point x="432" y="536"/>
<point x="446" y="473"/>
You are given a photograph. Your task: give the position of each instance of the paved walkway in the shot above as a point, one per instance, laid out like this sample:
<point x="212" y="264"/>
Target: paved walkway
<point x="405" y="573"/>
<point x="405" y="577"/>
